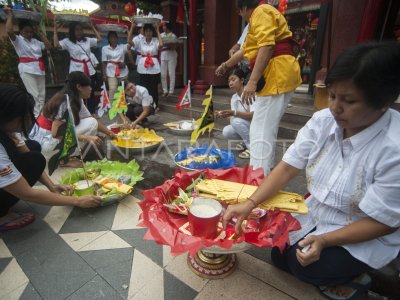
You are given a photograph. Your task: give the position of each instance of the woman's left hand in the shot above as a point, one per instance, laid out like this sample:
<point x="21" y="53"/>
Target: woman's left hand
<point x="249" y="93"/>
<point x="317" y="244"/>
<point x="62" y="189"/>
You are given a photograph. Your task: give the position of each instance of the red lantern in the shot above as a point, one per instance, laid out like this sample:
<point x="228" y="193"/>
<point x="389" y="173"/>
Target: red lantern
<point x="130" y="9"/>
<point x="282" y="6"/>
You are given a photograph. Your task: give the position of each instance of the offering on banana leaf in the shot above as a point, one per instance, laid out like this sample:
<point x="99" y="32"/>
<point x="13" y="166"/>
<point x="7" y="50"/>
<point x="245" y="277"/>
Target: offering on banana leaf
<point x="113" y="180"/>
<point x="181" y="203"/>
<point x="204" y="158"/>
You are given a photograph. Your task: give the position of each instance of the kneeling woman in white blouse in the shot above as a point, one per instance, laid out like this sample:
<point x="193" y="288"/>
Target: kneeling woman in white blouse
<point x="76" y="89"/>
<point x="351" y="155"/>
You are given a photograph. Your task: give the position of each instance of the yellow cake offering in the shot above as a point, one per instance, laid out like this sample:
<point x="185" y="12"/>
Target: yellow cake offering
<point x="199" y="159"/>
<point x="137" y="138"/>
<point x="80" y="12"/>
<point x="233" y="192"/>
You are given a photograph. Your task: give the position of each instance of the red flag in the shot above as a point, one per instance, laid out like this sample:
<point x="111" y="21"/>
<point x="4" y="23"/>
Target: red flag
<point x="104" y="104"/>
<point x="181" y="13"/>
<point x="185" y="99"/>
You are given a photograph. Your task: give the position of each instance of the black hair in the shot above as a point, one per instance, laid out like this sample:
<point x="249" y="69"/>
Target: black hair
<point x="52" y="106"/>
<point x="246" y="71"/>
<point x="15" y="103"/>
<point x="374" y="68"/>
<point x="110" y="33"/>
<point x="71" y="32"/>
<point x="24" y="23"/>
<point x="238" y="72"/>
<point x="247" y="3"/>
<point x="149" y="26"/>
<point x="168" y="25"/>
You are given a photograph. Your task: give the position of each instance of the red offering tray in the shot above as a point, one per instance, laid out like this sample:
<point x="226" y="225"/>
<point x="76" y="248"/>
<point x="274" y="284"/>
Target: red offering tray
<point x="165" y="227"/>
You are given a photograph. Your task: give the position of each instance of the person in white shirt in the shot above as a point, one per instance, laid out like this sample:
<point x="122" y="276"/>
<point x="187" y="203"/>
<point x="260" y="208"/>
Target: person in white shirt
<point x="351" y="155"/>
<point x="29" y="50"/>
<point x="22" y="164"/>
<point x="140" y="105"/>
<point x="240" y="42"/>
<point x="169" y="58"/>
<point x="77" y="88"/>
<point x="113" y="62"/>
<point x="78" y="47"/>
<point x="148" y="65"/>
<point x="240" y="115"/>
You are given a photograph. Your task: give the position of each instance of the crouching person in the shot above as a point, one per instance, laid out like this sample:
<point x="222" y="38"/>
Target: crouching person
<point x="140" y="105"/>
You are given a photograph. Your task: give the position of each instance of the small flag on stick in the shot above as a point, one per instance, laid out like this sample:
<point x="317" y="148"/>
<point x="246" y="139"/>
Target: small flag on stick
<point x="185" y="99"/>
<point x="206" y="122"/>
<point x="104" y="104"/>
<point x="119" y="104"/>
<point x="69" y="141"/>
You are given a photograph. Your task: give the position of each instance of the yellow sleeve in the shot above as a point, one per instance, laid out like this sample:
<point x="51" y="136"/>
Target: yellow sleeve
<point x="265" y="26"/>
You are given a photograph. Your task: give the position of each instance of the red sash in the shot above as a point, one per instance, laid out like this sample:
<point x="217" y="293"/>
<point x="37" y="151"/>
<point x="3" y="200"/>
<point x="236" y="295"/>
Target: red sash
<point x="85" y="65"/>
<point x="31" y="59"/>
<point x="283" y="47"/>
<point x="43" y="122"/>
<point x="149" y="60"/>
<point x="117" y="69"/>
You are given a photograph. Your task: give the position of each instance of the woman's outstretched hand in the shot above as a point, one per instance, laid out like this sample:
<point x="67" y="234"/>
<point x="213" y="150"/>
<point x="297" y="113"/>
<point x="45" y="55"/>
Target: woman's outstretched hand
<point x="239" y="211"/>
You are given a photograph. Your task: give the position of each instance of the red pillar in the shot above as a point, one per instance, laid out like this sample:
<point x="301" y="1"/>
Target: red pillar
<point x="372" y="12"/>
<point x="193" y="40"/>
<point x="220" y="33"/>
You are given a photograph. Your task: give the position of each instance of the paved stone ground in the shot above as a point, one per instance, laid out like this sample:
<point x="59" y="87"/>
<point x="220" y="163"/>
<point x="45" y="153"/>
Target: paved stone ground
<point x="73" y="253"/>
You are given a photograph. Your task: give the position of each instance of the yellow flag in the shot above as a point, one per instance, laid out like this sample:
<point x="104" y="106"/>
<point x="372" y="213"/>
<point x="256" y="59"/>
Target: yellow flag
<point x="119" y="104"/>
<point x="207" y="119"/>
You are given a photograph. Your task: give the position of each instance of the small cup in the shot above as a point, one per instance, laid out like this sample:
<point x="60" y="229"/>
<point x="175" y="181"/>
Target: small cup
<point x="115" y="128"/>
<point x="204" y="215"/>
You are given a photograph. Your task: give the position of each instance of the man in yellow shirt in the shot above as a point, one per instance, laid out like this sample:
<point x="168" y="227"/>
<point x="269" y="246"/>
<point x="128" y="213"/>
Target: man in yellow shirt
<point x="268" y="49"/>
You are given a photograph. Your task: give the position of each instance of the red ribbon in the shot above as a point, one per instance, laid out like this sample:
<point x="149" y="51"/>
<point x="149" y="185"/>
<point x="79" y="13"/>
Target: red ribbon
<point x="85" y="65"/>
<point x="117" y="68"/>
<point x="44" y="123"/>
<point x="31" y="59"/>
<point x="282" y="47"/>
<point x="148" y="61"/>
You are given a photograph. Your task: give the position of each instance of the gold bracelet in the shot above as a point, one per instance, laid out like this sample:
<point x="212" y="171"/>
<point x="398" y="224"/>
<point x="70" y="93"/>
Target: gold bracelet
<point x="253" y="202"/>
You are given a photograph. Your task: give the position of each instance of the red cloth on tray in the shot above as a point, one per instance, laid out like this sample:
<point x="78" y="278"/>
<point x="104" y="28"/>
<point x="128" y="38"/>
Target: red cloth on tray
<point x="163" y="226"/>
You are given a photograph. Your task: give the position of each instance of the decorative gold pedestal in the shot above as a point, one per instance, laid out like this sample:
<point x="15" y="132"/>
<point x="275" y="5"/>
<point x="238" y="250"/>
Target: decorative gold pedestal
<point x="211" y="265"/>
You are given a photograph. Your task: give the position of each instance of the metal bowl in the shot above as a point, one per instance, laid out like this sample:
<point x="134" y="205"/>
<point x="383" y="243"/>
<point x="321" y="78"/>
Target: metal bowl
<point x="111" y="27"/>
<point x="236" y="248"/>
<point x="138" y="150"/>
<point x="33" y="16"/>
<point x="72" y="18"/>
<point x="181" y="132"/>
<point x="146" y="20"/>
<point x="112" y="199"/>
<point x="168" y="40"/>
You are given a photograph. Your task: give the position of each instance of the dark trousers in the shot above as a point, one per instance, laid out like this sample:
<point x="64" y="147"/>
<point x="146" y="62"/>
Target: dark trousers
<point x="134" y="111"/>
<point x="150" y="82"/>
<point x="91" y="103"/>
<point x="336" y="266"/>
<point x="31" y="165"/>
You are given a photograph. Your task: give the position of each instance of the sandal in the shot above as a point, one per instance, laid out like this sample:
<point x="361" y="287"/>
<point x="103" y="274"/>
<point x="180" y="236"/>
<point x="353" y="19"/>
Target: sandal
<point x="245" y="154"/>
<point x="241" y="147"/>
<point x="17" y="221"/>
<point x="360" y="286"/>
